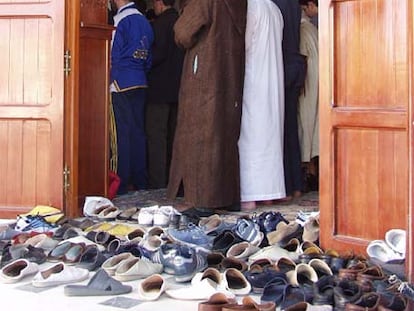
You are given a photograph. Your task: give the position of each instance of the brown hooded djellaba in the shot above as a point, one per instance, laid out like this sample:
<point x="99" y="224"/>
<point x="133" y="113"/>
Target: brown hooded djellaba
<point x="205" y="155"/>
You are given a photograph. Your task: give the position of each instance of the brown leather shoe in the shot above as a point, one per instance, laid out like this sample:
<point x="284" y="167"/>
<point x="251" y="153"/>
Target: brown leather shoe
<point x="249" y="304"/>
<point x="351" y="271"/>
<point x="216" y="303"/>
<point x="367" y="302"/>
<point x="366" y="277"/>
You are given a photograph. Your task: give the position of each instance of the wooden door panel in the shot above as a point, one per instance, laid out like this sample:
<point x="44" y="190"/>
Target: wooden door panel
<point x="31" y="105"/>
<point x="364" y="100"/>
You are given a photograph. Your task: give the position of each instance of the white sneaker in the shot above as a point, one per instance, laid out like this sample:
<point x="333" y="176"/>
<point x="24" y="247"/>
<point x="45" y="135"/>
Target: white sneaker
<point x="396" y="239"/>
<point x="94" y="204"/>
<point x="382" y="251"/>
<point x="163" y="215"/>
<point x="146" y="215"/>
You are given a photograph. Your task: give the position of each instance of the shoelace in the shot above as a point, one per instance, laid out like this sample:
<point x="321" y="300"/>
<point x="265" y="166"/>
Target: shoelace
<point x="406" y="289"/>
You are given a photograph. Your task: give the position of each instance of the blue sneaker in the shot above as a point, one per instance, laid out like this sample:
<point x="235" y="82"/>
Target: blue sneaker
<point x="192" y="236"/>
<point x="181" y="261"/>
<point x="35" y="223"/>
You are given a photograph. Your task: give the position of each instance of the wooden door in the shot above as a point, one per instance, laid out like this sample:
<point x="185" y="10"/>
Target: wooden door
<point x="87" y="101"/>
<point x="31" y="104"/>
<point x="365" y="48"/>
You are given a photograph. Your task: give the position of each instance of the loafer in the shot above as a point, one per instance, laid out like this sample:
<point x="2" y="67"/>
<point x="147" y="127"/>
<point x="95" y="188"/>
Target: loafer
<point x="211" y="223"/>
<point x="396" y="302"/>
<point x="235" y="282"/>
<point x="367" y="302"/>
<point x="321" y="267"/>
<point x="396" y="239"/>
<point x="152" y="287"/>
<point x="272" y="252"/>
<point x="136" y="268"/>
<point x="292" y="296"/>
<point x="111" y="264"/>
<point x="284" y="233"/>
<point x="285" y="264"/>
<point x="210" y="273"/>
<point x="200" y="291"/>
<point x="59" y="274"/>
<point x="17" y="270"/>
<point x="275" y="290"/>
<point x="351" y="271"/>
<point x="311" y="229"/>
<point x="242" y="250"/>
<point x="303" y="274"/>
<point x="73" y="254"/>
<point x="382" y="251"/>
<point x="214" y="260"/>
<point x="323" y="291"/>
<point x="346" y="291"/>
<point x="258" y="278"/>
<point x="232" y="262"/>
<point x="249" y="304"/>
<point x="216" y="302"/>
<point x="305" y="306"/>
<point x="91" y="259"/>
<point x="366" y="277"/>
<point x="42" y="241"/>
<point x="224" y="241"/>
<point x="126" y="214"/>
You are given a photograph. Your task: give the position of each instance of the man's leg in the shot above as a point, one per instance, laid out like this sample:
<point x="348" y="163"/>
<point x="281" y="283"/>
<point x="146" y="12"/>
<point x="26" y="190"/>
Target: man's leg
<point x="291" y="154"/>
<point x="138" y="149"/>
<point x="156" y="124"/>
<point x="122" y="120"/>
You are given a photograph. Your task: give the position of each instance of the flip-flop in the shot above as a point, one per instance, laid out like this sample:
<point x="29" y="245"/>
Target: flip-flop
<point x="101" y="284"/>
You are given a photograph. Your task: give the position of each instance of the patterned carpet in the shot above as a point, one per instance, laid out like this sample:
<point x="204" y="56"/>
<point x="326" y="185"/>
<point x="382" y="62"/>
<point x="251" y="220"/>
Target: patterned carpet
<point x="308" y="202"/>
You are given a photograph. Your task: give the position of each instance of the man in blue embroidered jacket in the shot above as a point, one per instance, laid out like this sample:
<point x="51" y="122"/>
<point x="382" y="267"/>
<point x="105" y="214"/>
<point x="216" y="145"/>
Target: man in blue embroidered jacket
<point x="130" y="62"/>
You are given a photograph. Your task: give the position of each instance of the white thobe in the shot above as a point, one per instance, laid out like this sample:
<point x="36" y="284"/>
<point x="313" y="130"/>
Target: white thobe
<point x="308" y="114"/>
<point x="261" y="136"/>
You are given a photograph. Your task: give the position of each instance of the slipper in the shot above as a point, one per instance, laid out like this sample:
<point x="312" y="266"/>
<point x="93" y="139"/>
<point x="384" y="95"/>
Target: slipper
<point x="101" y="284"/>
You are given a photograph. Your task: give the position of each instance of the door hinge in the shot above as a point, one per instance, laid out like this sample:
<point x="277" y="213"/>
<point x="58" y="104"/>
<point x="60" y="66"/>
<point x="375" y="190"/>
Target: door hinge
<point x="66" y="178"/>
<point x="67" y="68"/>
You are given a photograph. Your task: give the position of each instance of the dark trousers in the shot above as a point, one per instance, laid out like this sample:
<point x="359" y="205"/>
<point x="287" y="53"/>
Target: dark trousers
<point x="129" y="110"/>
<point x="160" y="125"/>
<point x="291" y="155"/>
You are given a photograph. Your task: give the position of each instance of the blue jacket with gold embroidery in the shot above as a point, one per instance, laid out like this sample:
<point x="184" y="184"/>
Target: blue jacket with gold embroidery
<point x="131" y="49"/>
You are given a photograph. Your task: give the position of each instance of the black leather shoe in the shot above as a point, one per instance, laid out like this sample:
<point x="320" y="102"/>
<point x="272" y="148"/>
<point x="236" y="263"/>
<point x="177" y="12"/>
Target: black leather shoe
<point x="224" y="241"/>
<point x="323" y="290"/>
<point x="346" y="291"/>
<point x="367" y="302"/>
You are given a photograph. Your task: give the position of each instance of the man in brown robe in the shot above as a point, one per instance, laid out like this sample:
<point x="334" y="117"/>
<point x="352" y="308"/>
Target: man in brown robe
<point x="205" y="155"/>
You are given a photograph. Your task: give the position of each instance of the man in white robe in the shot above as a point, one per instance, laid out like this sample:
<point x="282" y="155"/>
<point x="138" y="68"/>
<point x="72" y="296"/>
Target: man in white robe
<point x="308" y="112"/>
<point x="308" y="101"/>
<point x="261" y="137"/>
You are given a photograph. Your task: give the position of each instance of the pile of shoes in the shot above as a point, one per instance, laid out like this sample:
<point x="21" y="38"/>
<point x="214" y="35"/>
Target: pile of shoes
<point x="213" y="259"/>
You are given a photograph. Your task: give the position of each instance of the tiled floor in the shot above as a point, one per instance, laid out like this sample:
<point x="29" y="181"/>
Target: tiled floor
<point x="23" y="296"/>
